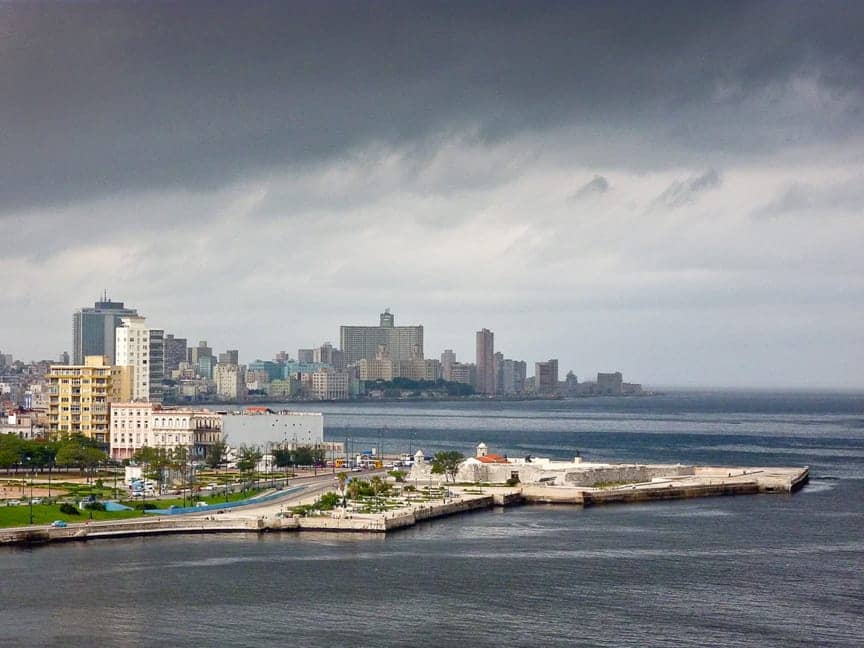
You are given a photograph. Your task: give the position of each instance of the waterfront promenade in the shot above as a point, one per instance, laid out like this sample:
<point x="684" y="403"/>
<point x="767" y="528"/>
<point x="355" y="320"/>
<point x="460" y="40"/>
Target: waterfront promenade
<point x="274" y="514"/>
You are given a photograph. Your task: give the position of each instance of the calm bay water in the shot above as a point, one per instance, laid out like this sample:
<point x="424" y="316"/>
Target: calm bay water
<point x="738" y="571"/>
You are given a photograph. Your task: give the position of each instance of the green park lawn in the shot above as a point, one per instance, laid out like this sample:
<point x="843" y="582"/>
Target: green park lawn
<point x="15" y="516"/>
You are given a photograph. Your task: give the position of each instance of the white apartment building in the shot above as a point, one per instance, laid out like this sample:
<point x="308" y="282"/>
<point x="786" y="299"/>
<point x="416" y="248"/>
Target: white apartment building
<point x="136" y="425"/>
<point x="329" y="384"/>
<point x="230" y="381"/>
<point x="142" y="348"/>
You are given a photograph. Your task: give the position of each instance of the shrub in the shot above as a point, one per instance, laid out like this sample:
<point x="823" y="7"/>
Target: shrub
<point x="328" y="502"/>
<point x="69" y="509"/>
<point x="512" y="481"/>
<point x="145" y="506"/>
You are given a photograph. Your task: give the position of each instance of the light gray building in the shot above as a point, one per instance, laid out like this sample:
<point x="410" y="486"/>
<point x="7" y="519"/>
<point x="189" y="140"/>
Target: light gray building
<point x="94" y="329"/>
<point x="485" y="362"/>
<point x="362" y="342"/>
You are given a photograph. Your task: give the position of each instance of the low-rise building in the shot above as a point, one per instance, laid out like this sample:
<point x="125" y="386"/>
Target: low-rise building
<point x="261" y="425"/>
<point x="136" y="425"/>
<point x="330" y="384"/>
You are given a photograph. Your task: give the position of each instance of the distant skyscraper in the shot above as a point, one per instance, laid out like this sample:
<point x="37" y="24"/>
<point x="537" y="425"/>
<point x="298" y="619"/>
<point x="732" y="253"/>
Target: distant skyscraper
<point x="513" y="376"/>
<point x="176" y="351"/>
<point x="202" y="360"/>
<point x="64" y="358"/>
<point x="93" y="329"/>
<point x="305" y="355"/>
<point x="610" y="384"/>
<point x="231" y="356"/>
<point x="362" y="342"/>
<point x="485" y="362"/>
<point x="326" y="354"/>
<point x="448" y="359"/>
<point x="142" y="348"/>
<point x="546" y="377"/>
<point x="499" y="372"/>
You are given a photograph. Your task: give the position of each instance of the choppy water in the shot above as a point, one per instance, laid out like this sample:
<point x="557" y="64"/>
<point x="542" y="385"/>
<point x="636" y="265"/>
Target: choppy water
<point x="737" y="571"/>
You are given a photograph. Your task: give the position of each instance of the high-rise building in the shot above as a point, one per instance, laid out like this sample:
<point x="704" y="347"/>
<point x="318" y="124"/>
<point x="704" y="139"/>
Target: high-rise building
<point x="498" y="363"/>
<point x="448" y="358"/>
<point x="461" y="372"/>
<point x="93" y="329"/>
<point x="176" y="351"/>
<point x="305" y="355"/>
<point x="485" y="362"/>
<point x="80" y="395"/>
<point x="546" y="377"/>
<point x="142" y="348"/>
<point x="610" y="384"/>
<point x="64" y="359"/>
<point x="201" y="358"/>
<point x="231" y="356"/>
<point x="513" y="376"/>
<point x="230" y="381"/>
<point x="362" y="342"/>
<point x="326" y="354"/>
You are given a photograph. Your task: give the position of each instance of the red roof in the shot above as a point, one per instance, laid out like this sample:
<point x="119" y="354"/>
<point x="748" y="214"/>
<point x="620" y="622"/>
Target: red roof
<point x="493" y="458"/>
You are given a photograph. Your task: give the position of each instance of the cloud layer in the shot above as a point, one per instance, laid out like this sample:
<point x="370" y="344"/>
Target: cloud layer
<point x="675" y="194"/>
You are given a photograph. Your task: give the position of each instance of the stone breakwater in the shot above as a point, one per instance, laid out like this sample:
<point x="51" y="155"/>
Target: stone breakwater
<point x="695" y="482"/>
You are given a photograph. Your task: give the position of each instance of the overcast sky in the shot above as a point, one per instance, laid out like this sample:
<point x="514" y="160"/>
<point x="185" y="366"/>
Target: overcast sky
<point x="673" y="190"/>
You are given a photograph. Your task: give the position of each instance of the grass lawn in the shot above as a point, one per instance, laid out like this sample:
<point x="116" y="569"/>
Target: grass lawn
<point x="15" y="516"/>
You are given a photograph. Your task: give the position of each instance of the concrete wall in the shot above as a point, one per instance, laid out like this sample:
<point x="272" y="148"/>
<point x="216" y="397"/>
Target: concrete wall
<point x="624" y="473"/>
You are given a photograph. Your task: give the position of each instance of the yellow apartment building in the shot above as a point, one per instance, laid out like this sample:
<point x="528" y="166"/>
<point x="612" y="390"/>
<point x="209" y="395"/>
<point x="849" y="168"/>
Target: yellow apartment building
<point x="79" y="397"/>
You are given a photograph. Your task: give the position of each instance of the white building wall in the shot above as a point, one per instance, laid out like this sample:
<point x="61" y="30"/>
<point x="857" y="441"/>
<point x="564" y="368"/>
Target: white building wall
<point x="302" y="428"/>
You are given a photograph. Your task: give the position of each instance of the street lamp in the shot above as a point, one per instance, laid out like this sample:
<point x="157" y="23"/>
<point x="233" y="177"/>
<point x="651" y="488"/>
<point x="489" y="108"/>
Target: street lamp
<point x="31" y="489"/>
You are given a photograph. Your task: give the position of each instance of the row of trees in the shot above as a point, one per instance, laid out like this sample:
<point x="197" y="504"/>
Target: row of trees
<point x="74" y="451"/>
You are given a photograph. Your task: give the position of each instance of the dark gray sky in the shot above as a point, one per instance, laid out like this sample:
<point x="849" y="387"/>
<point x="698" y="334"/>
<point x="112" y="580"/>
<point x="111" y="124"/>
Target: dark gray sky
<point x="671" y="189"/>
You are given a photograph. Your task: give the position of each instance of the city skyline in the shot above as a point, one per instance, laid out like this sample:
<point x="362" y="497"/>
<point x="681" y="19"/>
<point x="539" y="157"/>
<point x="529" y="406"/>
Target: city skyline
<point x="675" y="194"/>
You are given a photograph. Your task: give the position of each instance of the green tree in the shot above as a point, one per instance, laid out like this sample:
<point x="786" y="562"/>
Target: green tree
<point x="398" y="475"/>
<point x="447" y="463"/>
<point x="247" y="458"/>
<point x="216" y="454"/>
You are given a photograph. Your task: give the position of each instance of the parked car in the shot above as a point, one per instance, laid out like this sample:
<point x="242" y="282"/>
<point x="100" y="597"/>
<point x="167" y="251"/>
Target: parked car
<point x="36" y="500"/>
<point x="13" y="503"/>
<point x="59" y="524"/>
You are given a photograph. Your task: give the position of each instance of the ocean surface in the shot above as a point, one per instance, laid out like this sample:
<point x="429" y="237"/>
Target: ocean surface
<point x="770" y="570"/>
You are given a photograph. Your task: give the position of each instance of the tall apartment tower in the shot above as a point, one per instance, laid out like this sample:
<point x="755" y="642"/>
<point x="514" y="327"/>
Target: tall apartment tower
<point x="176" y="351"/>
<point x="448" y="359"/>
<point x="202" y="360"/>
<point x="93" y="329"/>
<point x="485" y="362"/>
<point x="142" y="348"/>
<point x="546" y="377"/>
<point x="231" y="356"/>
<point x="362" y="342"/>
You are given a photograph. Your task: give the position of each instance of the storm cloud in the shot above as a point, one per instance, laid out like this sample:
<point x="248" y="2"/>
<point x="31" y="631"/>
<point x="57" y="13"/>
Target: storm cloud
<point x="312" y="163"/>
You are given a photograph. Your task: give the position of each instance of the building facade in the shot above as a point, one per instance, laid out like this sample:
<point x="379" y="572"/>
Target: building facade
<point x="259" y="426"/>
<point x="79" y="397"/>
<point x="230" y="382"/>
<point x="176" y="352"/>
<point x="513" y="374"/>
<point x="546" y="377"/>
<point x="93" y="330"/>
<point x="138" y="425"/>
<point x="142" y="348"/>
<point x="330" y="384"/>
<point x="362" y="342"/>
<point x="485" y="362"/>
<point x="610" y="384"/>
